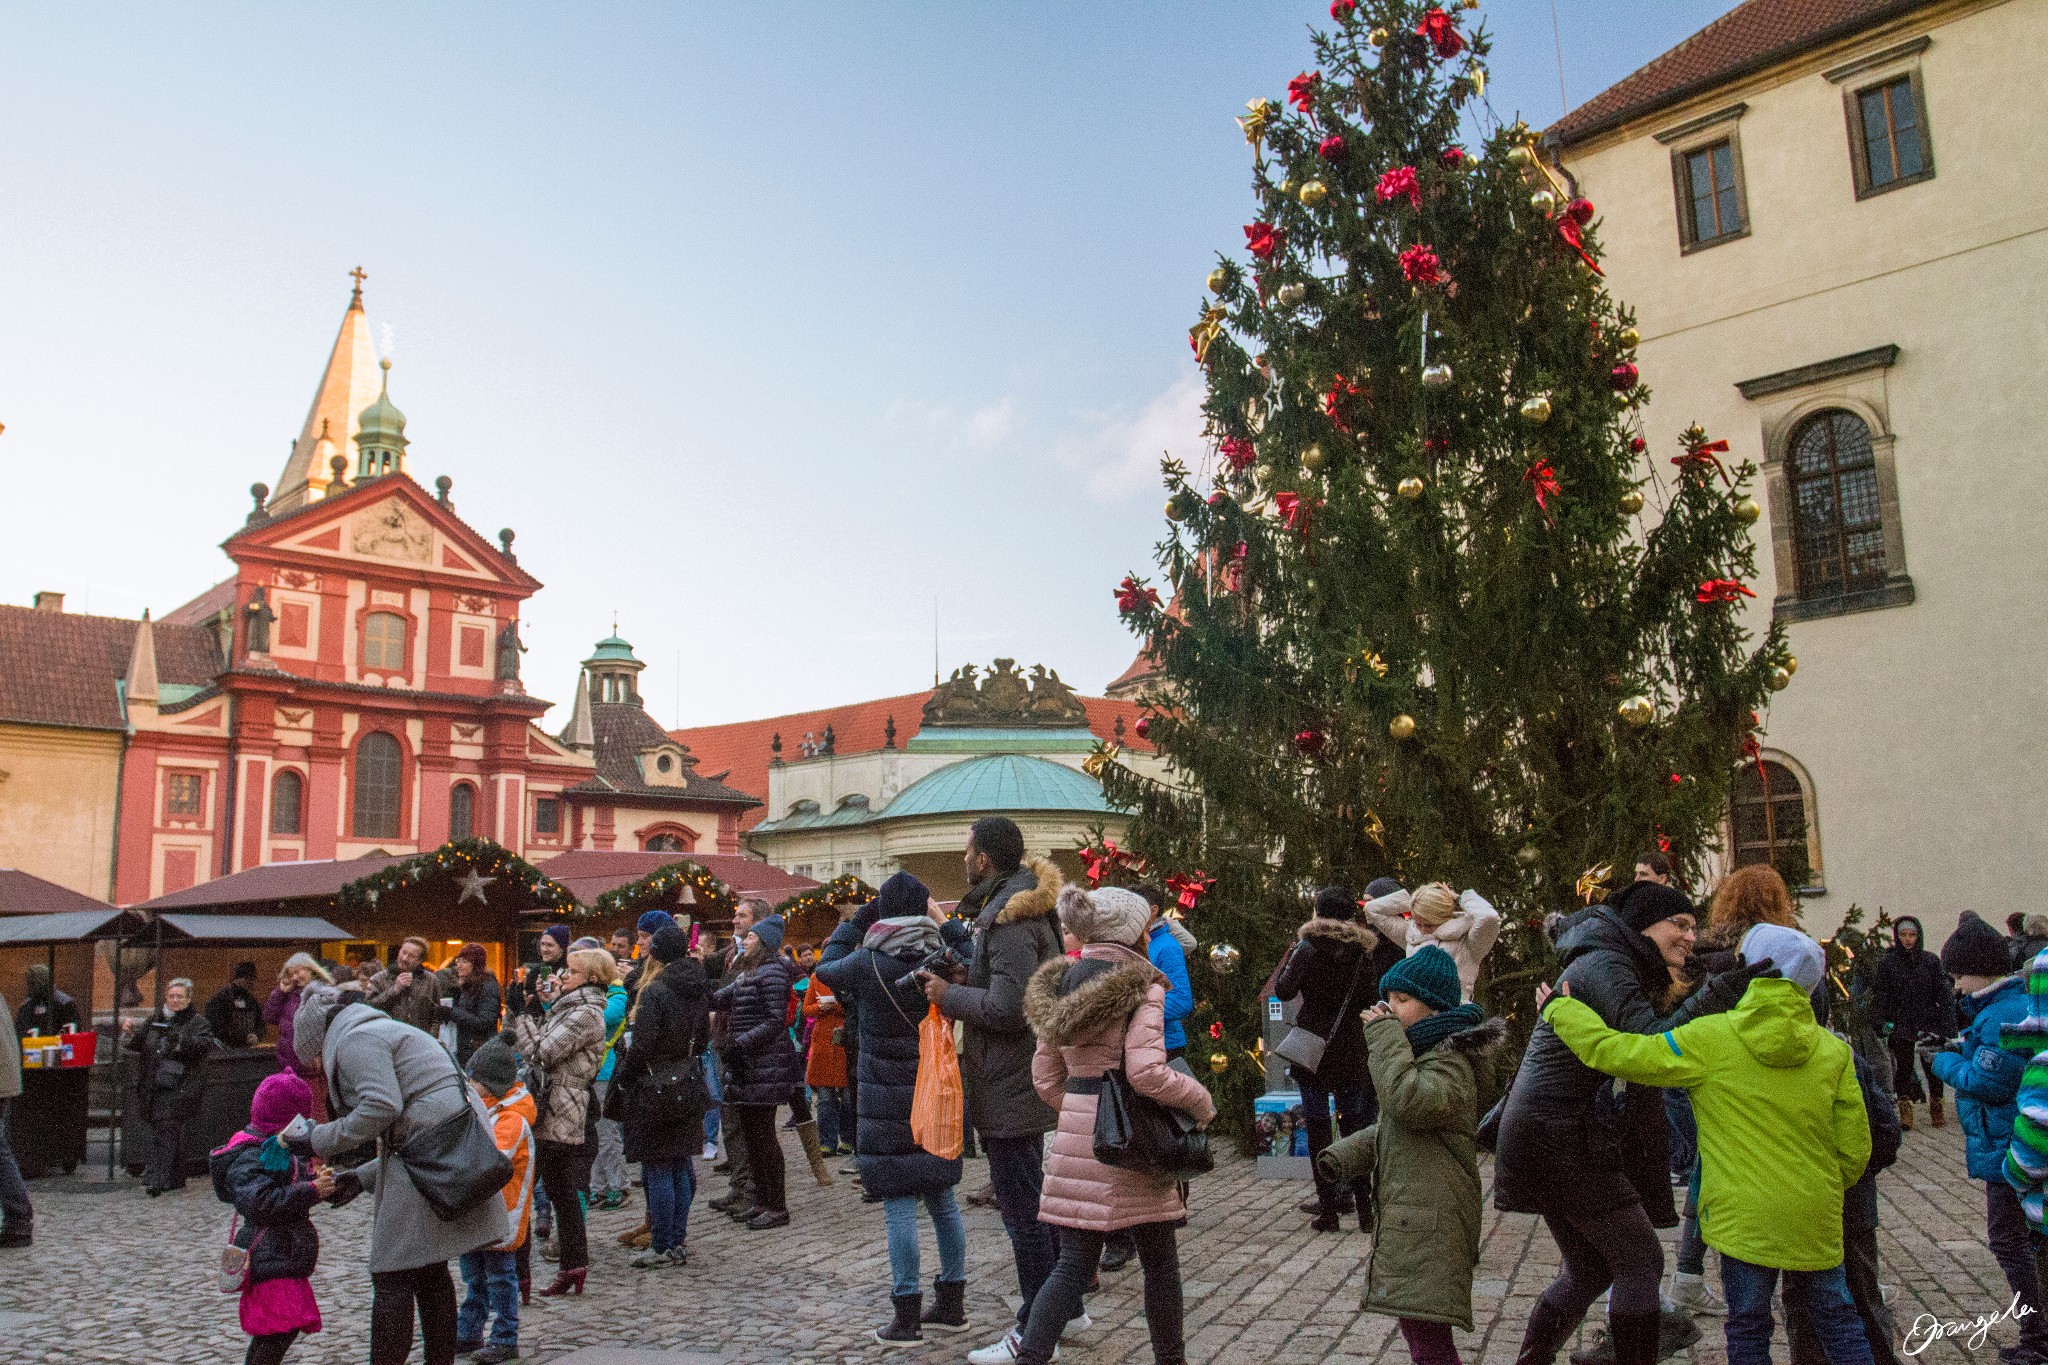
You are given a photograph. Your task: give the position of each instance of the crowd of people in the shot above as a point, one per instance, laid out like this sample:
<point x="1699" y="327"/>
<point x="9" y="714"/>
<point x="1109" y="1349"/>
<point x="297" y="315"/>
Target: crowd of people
<point x="1682" y="1074"/>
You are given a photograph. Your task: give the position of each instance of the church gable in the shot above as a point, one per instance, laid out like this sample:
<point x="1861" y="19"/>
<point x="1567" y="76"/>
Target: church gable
<point x="390" y="523"/>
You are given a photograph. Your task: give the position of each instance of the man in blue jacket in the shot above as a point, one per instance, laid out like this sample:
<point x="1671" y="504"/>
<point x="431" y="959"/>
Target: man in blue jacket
<point x="1986" y="1079"/>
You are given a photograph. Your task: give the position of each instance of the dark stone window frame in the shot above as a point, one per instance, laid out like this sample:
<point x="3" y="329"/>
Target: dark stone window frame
<point x="1858" y="78"/>
<point x="1690" y="139"/>
<point x="1744" y="795"/>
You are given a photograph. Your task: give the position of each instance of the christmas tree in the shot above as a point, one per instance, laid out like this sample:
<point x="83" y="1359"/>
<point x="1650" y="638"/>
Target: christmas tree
<point x="1430" y="609"/>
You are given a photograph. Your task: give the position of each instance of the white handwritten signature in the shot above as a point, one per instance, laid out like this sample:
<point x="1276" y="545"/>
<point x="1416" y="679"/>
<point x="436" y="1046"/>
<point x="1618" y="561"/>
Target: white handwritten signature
<point x="1928" y="1329"/>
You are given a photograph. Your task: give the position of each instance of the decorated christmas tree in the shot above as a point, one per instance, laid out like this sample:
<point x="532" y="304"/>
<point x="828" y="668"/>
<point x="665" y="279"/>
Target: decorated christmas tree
<point x="1430" y="609"/>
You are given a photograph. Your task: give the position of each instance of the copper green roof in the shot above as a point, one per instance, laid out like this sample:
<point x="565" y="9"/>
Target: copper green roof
<point x="992" y="785"/>
<point x="612" y="649"/>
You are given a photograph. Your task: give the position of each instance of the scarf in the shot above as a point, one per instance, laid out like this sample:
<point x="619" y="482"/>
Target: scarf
<point x="1425" y="1034"/>
<point x="905" y="935"/>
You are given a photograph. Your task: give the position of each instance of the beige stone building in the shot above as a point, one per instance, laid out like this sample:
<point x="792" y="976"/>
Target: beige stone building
<point x="1828" y="217"/>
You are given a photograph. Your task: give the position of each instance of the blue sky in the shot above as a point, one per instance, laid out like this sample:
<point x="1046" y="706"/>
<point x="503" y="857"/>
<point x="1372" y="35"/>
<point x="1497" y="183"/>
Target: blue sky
<point x="765" y="326"/>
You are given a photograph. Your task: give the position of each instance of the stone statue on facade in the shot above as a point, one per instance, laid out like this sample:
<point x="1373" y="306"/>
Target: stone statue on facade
<point x="1004" y="698"/>
<point x="509" y="650"/>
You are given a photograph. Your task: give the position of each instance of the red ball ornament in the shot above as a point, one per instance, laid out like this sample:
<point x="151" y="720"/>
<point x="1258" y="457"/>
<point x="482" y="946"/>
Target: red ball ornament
<point x="1676" y="779"/>
<point x="1451" y="158"/>
<point x="1216" y="1030"/>
<point x="1309" y="742"/>
<point x="1580" y="211"/>
<point x="1331" y="148"/>
<point x="1623" y="377"/>
<point x="1219" y="498"/>
<point x="1637" y="445"/>
<point x="1144" y="727"/>
<point x="1342" y="10"/>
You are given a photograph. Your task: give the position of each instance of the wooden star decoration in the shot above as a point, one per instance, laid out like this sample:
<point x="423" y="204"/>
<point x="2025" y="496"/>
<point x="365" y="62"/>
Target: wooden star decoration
<point x="473" y="885"/>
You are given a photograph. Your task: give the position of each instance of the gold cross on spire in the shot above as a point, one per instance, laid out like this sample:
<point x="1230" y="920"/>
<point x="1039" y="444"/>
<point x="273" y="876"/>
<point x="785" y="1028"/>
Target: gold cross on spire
<point x="359" y="275"/>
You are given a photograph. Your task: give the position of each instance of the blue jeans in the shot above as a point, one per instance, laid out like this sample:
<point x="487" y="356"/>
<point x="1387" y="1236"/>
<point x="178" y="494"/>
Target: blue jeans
<point x="543" y="1211"/>
<point x="714" y="1083"/>
<point x="671" y="1186"/>
<point x="828" y="1115"/>
<point x="1685" y="1132"/>
<point x="1016" y="1168"/>
<point x="1824" y="1294"/>
<point x="904" y="1267"/>
<point x="493" y="1281"/>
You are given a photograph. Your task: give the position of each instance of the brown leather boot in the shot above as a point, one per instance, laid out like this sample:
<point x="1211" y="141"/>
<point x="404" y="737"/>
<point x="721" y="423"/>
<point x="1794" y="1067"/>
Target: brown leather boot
<point x="1905" y="1113"/>
<point x="1934" y="1112"/>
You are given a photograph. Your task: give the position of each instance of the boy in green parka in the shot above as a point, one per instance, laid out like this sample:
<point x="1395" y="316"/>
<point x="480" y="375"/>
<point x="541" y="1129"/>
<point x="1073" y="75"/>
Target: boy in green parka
<point x="1783" y="1133"/>
<point x="1432" y="1064"/>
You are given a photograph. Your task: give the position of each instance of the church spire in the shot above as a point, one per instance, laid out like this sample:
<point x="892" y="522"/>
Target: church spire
<point x="349" y="384"/>
<point x="380" y="434"/>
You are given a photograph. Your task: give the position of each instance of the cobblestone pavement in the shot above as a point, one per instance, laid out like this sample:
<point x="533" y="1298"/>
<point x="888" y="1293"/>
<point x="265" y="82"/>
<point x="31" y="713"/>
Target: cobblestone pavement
<point x="116" y="1277"/>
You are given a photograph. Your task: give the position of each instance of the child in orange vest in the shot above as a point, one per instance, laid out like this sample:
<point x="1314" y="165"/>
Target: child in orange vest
<point x="492" y="1274"/>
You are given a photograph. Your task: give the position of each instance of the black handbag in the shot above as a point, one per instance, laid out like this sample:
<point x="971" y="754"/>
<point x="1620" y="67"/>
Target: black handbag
<point x="671" y="1093"/>
<point x="1135" y="1132"/>
<point x="455" y="1165"/>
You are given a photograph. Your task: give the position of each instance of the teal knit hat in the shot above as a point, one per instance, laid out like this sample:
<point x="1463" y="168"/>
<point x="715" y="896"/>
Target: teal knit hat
<point x="1429" y="975"/>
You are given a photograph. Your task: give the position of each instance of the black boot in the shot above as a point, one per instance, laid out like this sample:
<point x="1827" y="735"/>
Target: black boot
<point x="949" y="1306"/>
<point x="904" y="1331"/>
<point x="1363" y="1187"/>
<point x="1546" y="1333"/>
<point x="1635" y="1336"/>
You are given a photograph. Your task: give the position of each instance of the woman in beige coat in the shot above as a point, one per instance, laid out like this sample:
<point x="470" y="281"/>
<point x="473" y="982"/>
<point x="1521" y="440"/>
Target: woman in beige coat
<point x="1102" y="1012"/>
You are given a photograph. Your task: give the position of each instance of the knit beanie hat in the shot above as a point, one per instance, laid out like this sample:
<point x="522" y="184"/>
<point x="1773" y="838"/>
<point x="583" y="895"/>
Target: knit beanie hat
<point x="1108" y="914"/>
<point x="1429" y="975"/>
<point x="1797" y="957"/>
<point x="278" y="1100"/>
<point x="244" y="971"/>
<point x="1381" y="886"/>
<point x="902" y="895"/>
<point x="654" y="921"/>
<point x="668" y="945"/>
<point x="1336" y="902"/>
<point x="1642" y="904"/>
<point x="38" y="978"/>
<point x="1976" y="949"/>
<point x="473" y="954"/>
<point x="560" y="934"/>
<point x="769" y="931"/>
<point x="495" y="1066"/>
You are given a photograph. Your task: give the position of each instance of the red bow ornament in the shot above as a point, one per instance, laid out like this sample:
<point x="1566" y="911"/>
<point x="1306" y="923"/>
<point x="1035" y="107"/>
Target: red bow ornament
<point x="1701" y="453"/>
<point x="1568" y="229"/>
<point x="1719" y="591"/>
<point x="1131" y="597"/>
<point x="1399" y="183"/>
<point x="1239" y="452"/>
<point x="1263" y="239"/>
<point x="1442" y="32"/>
<point x="1187" y="890"/>
<point x="1301" y="91"/>
<point x="1542" y="480"/>
<point x="1333" y="402"/>
<point x="1295" y="512"/>
<point x="1420" y="265"/>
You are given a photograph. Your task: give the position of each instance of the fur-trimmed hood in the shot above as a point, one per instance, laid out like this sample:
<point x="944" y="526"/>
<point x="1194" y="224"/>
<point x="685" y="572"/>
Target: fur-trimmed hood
<point x="1068" y="1002"/>
<point x="1480" y="1040"/>
<point x="1037" y="901"/>
<point x="1339" y="931"/>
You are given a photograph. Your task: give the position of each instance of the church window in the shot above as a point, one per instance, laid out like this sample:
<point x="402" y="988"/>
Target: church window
<point x="183" y="794"/>
<point x="384" y="641"/>
<point x="1769" y="819"/>
<point x="472" y="647"/>
<point x="294" y="623"/>
<point x="665" y="843"/>
<point x="378" y="784"/>
<point x="287" y="803"/>
<point x="1836" y="525"/>
<point x="462" y="811"/>
<point x="547" y="815"/>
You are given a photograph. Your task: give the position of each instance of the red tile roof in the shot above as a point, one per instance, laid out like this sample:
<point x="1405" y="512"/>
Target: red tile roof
<point x="24" y="893"/>
<point x="59" y="668"/>
<point x="313" y="878"/>
<point x="1754" y="35"/>
<point x="589" y="873"/>
<point x="204" y="607"/>
<point x="742" y="749"/>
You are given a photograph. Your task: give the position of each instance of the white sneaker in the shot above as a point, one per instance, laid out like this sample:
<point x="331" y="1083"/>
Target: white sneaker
<point x="1076" y="1325"/>
<point x="1003" y="1352"/>
<point x="1690" y="1292"/>
<point x="711" y="1151"/>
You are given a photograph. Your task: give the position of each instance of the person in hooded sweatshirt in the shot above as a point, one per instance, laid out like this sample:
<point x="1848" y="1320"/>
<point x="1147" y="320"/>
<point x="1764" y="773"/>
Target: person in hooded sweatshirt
<point x="1783" y="1134"/>
<point x="1913" y="999"/>
<point x="1987" y="1076"/>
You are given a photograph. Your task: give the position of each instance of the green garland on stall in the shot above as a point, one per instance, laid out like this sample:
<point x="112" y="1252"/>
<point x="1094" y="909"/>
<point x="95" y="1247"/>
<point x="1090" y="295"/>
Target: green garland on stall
<point x="453" y="859"/>
<point x="715" y="899"/>
<point x="845" y="889"/>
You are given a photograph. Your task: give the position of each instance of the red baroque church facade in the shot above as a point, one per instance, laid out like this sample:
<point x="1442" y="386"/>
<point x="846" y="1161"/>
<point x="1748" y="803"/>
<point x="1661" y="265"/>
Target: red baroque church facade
<point x="367" y="693"/>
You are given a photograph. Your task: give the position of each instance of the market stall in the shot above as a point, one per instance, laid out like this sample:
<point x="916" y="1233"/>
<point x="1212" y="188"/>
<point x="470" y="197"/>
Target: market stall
<point x="48" y="1124"/>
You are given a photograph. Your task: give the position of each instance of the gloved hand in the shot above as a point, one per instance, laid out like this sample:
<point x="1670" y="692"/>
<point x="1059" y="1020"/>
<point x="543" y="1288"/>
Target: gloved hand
<point x="297" y="1136"/>
<point x="1928" y="1045"/>
<point x="1724" y="992"/>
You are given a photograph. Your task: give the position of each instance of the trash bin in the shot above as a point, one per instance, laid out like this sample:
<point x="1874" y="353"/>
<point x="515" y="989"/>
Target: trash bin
<point x="232" y="1075"/>
<point x="47" y="1124"/>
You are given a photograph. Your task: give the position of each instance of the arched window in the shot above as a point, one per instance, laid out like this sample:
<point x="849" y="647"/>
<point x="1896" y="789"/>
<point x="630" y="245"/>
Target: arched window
<point x="1836" y="523"/>
<point x="378" y="761"/>
<point x="288" y="803"/>
<point x="384" y="641"/>
<point x="665" y="843"/>
<point x="1770" y="821"/>
<point x="462" y="811"/>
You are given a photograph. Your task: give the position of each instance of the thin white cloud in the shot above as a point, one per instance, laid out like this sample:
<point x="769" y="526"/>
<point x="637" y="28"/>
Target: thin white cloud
<point x="1120" y="456"/>
<point x="982" y="427"/>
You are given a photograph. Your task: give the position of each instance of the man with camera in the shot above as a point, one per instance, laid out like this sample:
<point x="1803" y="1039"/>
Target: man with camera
<point x="1011" y="906"/>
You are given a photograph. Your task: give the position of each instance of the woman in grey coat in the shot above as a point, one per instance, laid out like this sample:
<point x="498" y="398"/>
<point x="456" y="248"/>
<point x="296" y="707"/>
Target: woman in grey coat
<point x="389" y="1082"/>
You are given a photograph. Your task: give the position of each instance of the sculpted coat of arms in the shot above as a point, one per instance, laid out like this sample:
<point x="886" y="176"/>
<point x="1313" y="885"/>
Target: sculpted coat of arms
<point x="389" y="531"/>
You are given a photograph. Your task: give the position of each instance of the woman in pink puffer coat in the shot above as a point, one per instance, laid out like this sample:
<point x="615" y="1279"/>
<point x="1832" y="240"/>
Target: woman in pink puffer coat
<point x="1104" y="1011"/>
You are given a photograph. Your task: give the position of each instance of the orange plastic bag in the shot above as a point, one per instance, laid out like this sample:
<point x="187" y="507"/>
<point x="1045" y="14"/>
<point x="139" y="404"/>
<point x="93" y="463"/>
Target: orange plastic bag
<point x="937" y="1108"/>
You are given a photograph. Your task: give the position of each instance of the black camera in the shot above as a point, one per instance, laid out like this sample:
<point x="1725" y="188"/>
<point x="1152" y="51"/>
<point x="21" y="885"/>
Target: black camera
<point x="940" y="963"/>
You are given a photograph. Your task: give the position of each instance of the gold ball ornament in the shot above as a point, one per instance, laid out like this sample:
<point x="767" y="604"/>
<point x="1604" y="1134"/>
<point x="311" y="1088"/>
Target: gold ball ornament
<point x="1629" y="338"/>
<point x="1219" y="1063"/>
<point x="1409" y="489"/>
<point x="1312" y="459"/>
<point x="1621" y="400"/>
<point x="1402" y="727"/>
<point x="1378" y="37"/>
<point x="1435" y="376"/>
<point x="1314" y="192"/>
<point x="1637" y="711"/>
<point x="1791" y="663"/>
<point x="1471" y="4"/>
<point x="1291" y="294"/>
<point x="1632" y="501"/>
<point x="1747" y="510"/>
<point x="1266" y="474"/>
<point x="1536" y="411"/>
<point x="1544" y="202"/>
<point x="1218" y="278"/>
<point x="1520" y="155"/>
<point x="1224" y="959"/>
<point x="1781" y="678"/>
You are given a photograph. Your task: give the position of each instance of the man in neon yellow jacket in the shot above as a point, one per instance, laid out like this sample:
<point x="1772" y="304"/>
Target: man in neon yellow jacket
<point x="1783" y="1133"/>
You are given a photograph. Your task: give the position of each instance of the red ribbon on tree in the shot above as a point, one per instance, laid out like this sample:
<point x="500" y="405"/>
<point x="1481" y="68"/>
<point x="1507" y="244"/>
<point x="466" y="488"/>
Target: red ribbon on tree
<point x="1442" y="32"/>
<point x="1263" y="239"/>
<point x="1301" y="91"/>
<point x="1131" y="597"/>
<point x="1333" y="402"/>
<point x="1718" y="591"/>
<point x="1187" y="890"/>
<point x="1399" y="183"/>
<point x="1568" y="229"/>
<point x="1419" y="265"/>
<point x="1701" y="453"/>
<point x="1095" y="862"/>
<point x="1542" y="481"/>
<point x="1239" y="452"/>
<point x="1295" y="513"/>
